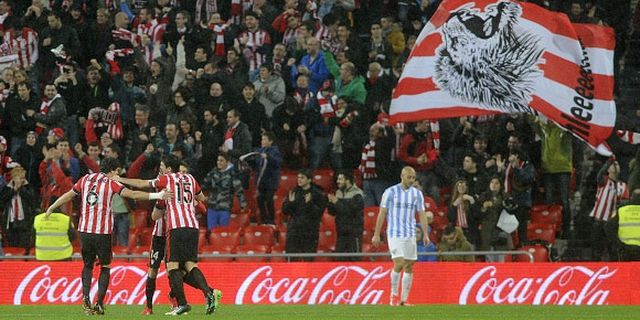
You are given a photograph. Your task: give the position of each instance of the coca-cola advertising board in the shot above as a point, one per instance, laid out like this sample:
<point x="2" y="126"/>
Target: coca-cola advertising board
<point x="340" y="283"/>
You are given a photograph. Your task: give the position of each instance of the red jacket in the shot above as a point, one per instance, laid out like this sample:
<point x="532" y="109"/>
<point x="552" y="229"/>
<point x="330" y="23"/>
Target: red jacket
<point x="411" y="149"/>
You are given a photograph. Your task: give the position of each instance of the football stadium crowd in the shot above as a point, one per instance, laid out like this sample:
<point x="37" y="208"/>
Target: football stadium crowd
<point x="307" y="85"/>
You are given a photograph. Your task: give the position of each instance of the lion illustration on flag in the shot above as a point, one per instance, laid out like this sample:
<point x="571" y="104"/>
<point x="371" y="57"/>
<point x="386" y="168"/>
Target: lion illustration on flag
<point x="484" y="60"/>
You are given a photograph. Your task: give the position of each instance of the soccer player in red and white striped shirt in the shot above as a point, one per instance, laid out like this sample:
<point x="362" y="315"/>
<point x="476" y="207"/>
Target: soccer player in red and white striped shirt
<point x="96" y="223"/>
<point x="182" y="236"/>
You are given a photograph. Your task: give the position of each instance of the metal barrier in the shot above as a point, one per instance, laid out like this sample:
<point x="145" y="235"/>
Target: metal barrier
<point x="302" y="255"/>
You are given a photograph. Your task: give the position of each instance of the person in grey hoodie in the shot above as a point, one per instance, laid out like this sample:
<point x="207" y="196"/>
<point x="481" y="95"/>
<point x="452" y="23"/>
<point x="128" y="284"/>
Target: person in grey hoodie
<point x="270" y="89"/>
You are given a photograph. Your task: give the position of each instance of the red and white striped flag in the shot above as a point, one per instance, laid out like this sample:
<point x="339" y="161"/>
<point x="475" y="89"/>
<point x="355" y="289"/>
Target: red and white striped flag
<point x="487" y="57"/>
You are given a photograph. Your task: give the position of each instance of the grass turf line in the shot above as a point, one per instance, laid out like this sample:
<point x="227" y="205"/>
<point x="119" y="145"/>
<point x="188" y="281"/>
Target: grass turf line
<point x="306" y="312"/>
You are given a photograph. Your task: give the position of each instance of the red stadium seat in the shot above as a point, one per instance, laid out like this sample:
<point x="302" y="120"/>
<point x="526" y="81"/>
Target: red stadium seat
<point x="120" y="250"/>
<point x="239" y="220"/>
<point x="324" y="178"/>
<point x="141" y="219"/>
<point x="323" y="249"/>
<point x="145" y="236"/>
<point x="221" y="237"/>
<point x="328" y="222"/>
<point x="250" y="249"/>
<point x="217" y="250"/>
<point x="259" y="235"/>
<point x="370" y="217"/>
<point x="550" y="216"/>
<point x="279" y="248"/>
<point x="327" y="239"/>
<point x="540" y="254"/>
<point x="547" y="234"/>
<point x="540" y="207"/>
<point x="367" y="247"/>
<point x="140" y="250"/>
<point x="288" y="181"/>
<point x="282" y="236"/>
<point x="440" y="219"/>
<point x="15" y="251"/>
<point x="202" y="238"/>
<point x="367" y="235"/>
<point x="133" y="240"/>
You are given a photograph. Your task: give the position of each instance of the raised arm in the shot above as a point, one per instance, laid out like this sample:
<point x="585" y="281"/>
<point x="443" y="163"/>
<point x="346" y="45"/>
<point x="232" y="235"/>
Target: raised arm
<point x="62" y="200"/>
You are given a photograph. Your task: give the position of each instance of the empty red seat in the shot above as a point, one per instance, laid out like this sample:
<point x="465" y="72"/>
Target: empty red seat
<point x="120" y="250"/>
<point x="323" y="249"/>
<point x="239" y="220"/>
<point x="260" y="235"/>
<point x="540" y="254"/>
<point x="324" y="178"/>
<point x="141" y="218"/>
<point x="328" y="222"/>
<point x="224" y="236"/>
<point x="288" y="181"/>
<point x="140" y="250"/>
<point x="211" y="250"/>
<point x="547" y="234"/>
<point x="15" y="251"/>
<point x="550" y="216"/>
<point x="250" y="249"/>
<point x="440" y="219"/>
<point x="279" y="248"/>
<point x="145" y="236"/>
<point x="327" y="239"/>
<point x="370" y="217"/>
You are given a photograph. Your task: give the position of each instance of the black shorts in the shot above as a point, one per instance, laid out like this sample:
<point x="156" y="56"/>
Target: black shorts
<point x="158" y="247"/>
<point x="96" y="245"/>
<point x="182" y="245"/>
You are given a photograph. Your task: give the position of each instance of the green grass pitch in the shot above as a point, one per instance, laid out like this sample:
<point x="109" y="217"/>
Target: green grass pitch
<point x="306" y="312"/>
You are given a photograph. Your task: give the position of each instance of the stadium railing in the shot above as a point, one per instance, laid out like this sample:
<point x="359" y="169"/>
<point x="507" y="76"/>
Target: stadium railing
<point x="289" y="256"/>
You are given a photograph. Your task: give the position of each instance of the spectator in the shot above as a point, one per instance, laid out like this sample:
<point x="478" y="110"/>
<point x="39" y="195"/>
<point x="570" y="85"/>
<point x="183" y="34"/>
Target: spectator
<point x="223" y="183"/>
<point x="254" y="42"/>
<point x="16" y="109"/>
<point x="270" y="89"/>
<point x="557" y="166"/>
<point x="312" y="65"/>
<point x="376" y="165"/>
<point x="52" y="112"/>
<point x="453" y="240"/>
<point x="347" y="82"/>
<point x="424" y="248"/>
<point x="29" y="156"/>
<point x="54" y="35"/>
<point x="19" y="205"/>
<point x="379" y="50"/>
<point x="211" y="138"/>
<point x="322" y="123"/>
<point x="347" y="205"/>
<point x="290" y="131"/>
<point x="267" y="165"/>
<point x="304" y="205"/>
<point x="462" y="212"/>
<point x="237" y="138"/>
<point x="139" y="133"/>
<point x="171" y="139"/>
<point x="418" y="149"/>
<point x="379" y="85"/>
<point x="69" y="87"/>
<point x="611" y="192"/>
<point x="491" y="236"/>
<point x="253" y="113"/>
<point x="519" y="179"/>
<point x="53" y="237"/>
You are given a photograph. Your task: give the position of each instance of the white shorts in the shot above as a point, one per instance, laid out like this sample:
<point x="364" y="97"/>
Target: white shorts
<point x="403" y="248"/>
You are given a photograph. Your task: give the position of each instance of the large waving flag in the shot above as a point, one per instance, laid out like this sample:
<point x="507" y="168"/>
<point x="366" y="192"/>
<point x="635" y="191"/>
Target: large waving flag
<point x="486" y="56"/>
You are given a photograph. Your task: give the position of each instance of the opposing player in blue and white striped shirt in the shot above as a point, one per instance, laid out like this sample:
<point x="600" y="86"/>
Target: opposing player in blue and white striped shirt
<point x="399" y="205"/>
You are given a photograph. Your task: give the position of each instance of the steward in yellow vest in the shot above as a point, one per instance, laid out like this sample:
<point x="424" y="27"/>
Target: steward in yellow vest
<point x="53" y="237"/>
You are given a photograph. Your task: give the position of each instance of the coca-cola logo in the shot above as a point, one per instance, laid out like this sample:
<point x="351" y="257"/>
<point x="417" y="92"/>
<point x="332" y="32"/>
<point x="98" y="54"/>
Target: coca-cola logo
<point x="39" y="286"/>
<point x="340" y="285"/>
<point x="567" y="285"/>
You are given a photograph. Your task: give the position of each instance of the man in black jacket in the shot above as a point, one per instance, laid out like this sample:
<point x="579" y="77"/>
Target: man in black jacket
<point x="304" y="205"/>
<point x="347" y="205"/>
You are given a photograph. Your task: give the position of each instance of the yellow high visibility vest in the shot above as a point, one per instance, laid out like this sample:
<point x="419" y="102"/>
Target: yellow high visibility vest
<point x="629" y="225"/>
<point x="52" y="239"/>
